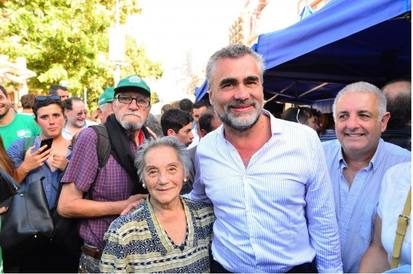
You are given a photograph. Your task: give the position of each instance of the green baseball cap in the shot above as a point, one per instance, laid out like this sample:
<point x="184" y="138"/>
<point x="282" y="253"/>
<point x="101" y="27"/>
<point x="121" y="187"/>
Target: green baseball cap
<point x="133" y="82"/>
<point x="106" y="96"/>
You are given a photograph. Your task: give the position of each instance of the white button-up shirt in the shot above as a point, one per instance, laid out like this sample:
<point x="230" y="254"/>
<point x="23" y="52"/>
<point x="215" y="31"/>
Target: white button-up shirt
<point x="276" y="213"/>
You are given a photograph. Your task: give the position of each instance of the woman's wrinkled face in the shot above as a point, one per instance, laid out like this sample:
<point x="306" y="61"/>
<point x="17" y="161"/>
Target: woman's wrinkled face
<point x="163" y="175"/>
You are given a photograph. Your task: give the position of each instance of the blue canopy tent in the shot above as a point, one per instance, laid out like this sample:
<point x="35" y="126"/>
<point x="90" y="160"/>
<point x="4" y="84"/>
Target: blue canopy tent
<point x="201" y="91"/>
<point x="345" y="41"/>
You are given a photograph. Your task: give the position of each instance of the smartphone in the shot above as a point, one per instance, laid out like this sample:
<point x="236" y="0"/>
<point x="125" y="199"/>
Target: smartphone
<point x="47" y="142"/>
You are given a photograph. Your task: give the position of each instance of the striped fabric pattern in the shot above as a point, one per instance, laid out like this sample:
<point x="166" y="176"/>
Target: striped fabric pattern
<point x="275" y="213"/>
<point x="356" y="205"/>
<point x="137" y="243"/>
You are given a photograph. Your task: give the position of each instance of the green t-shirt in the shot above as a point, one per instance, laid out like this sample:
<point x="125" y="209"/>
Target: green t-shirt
<point x="21" y="126"/>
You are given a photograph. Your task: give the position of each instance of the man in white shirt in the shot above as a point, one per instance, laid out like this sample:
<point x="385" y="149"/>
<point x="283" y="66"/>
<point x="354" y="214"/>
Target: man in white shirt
<point x="267" y="179"/>
<point x="75" y="113"/>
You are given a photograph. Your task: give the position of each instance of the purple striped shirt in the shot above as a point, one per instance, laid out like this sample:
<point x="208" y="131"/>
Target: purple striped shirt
<point x="112" y="183"/>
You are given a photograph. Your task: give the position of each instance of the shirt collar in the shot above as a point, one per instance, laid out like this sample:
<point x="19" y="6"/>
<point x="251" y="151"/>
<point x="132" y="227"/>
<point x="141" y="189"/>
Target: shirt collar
<point x="374" y="161"/>
<point x="276" y="124"/>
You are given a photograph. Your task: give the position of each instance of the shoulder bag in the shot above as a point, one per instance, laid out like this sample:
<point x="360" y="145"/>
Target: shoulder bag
<point x="8" y="186"/>
<point x="28" y="220"/>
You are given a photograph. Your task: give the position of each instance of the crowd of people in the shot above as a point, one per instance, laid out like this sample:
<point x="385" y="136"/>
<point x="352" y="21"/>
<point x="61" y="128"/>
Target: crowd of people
<point x="220" y="185"/>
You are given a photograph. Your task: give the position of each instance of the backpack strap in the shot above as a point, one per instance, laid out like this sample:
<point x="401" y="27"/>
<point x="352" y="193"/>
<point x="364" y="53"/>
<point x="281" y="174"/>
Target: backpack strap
<point x="103" y="147"/>
<point x="402" y="224"/>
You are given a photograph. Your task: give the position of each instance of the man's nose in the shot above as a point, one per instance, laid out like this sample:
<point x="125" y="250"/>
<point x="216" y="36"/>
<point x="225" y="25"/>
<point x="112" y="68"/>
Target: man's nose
<point x="352" y="121"/>
<point x="241" y="93"/>
<point x="134" y="104"/>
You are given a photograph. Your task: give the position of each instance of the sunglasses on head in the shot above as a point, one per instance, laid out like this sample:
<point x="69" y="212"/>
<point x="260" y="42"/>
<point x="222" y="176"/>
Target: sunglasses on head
<point x="42" y="98"/>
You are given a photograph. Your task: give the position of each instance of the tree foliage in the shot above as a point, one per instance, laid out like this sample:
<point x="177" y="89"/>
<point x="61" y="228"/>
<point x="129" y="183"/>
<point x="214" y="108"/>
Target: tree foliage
<point x="68" y="40"/>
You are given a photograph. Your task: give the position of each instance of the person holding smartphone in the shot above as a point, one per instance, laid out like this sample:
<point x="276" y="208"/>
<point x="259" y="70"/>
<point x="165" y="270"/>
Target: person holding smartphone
<point x="46" y="157"/>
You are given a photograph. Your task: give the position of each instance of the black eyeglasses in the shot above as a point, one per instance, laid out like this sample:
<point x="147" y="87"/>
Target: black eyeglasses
<point x="140" y="102"/>
<point x="42" y="98"/>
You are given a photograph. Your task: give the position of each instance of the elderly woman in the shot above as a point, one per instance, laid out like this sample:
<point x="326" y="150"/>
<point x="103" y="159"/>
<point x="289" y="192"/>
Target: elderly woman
<point x="167" y="233"/>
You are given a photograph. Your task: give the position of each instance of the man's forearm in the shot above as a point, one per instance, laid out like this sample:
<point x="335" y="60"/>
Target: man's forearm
<point x="83" y="208"/>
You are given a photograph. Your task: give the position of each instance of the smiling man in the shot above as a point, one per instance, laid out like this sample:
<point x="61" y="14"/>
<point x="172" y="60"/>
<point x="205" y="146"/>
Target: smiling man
<point x="263" y="176"/>
<point x="14" y="125"/>
<point x="357" y="161"/>
<point x="75" y="114"/>
<point x="113" y="187"/>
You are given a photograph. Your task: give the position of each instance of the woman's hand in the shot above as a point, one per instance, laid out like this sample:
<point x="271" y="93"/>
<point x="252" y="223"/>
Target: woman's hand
<point x="35" y="159"/>
<point x="32" y="161"/>
<point x="58" y="161"/>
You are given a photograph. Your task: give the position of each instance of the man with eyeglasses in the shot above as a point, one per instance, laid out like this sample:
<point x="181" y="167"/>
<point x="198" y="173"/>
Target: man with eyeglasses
<point x="14" y="125"/>
<point x="99" y="195"/>
<point x="75" y="114"/>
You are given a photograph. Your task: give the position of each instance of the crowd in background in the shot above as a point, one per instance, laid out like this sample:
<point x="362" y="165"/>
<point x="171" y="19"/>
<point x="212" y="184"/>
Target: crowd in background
<point x="224" y="184"/>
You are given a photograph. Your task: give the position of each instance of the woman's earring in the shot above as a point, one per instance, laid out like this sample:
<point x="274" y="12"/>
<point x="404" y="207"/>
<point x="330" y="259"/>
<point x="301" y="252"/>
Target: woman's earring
<point x="185" y="180"/>
<point x="143" y="185"/>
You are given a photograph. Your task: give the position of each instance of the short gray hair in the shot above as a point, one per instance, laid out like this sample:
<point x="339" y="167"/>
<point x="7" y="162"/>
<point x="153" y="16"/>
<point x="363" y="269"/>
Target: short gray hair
<point x="363" y="87"/>
<point x="233" y="51"/>
<point x="167" y="141"/>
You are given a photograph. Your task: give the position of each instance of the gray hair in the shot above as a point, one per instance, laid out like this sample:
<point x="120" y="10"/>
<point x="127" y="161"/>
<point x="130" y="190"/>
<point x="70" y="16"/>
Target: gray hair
<point x="233" y="51"/>
<point x="167" y="141"/>
<point x="363" y="87"/>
